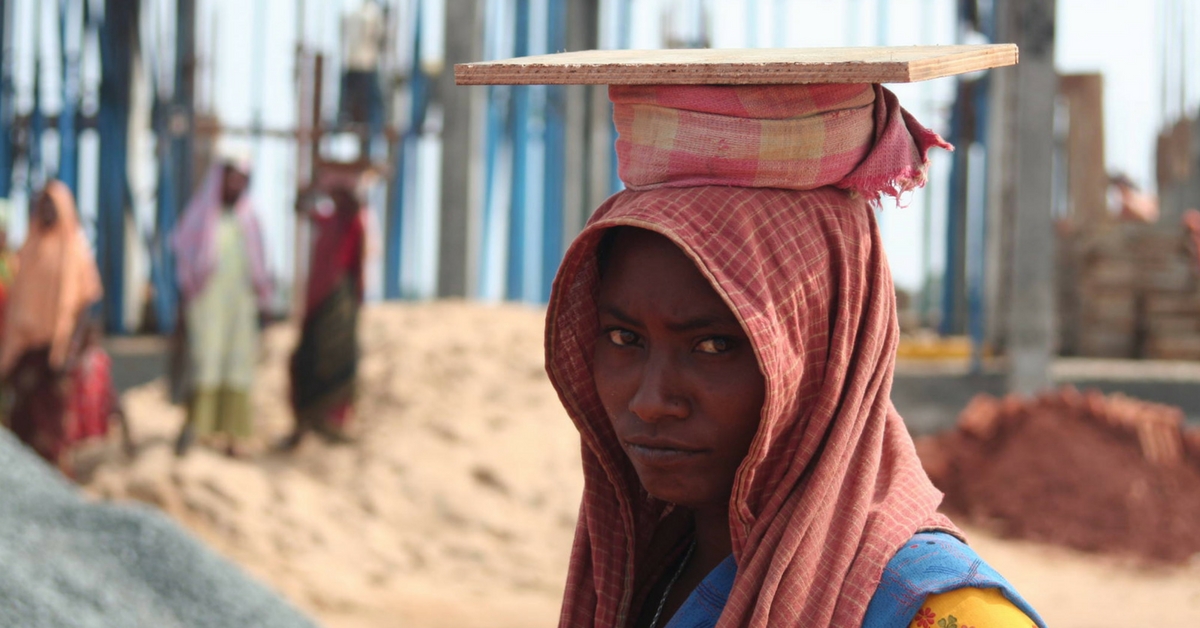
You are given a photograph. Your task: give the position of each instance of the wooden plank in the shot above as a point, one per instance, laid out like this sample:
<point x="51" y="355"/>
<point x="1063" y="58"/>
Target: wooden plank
<point x="758" y="66"/>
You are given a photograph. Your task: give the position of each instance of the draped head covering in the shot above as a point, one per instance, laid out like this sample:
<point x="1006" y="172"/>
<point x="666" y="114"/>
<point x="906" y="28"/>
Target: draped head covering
<point x="798" y="137"/>
<point x="56" y="281"/>
<point x="193" y="241"/>
<point x="831" y="486"/>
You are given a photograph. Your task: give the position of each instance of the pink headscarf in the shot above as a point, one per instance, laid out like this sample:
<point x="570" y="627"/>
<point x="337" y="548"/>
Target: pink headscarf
<point x="855" y="137"/>
<point x="195" y="251"/>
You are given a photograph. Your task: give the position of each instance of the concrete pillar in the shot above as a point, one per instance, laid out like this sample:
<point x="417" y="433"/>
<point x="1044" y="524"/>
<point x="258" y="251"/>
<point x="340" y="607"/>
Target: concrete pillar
<point x="1031" y="320"/>
<point x="1001" y="195"/>
<point x="463" y="109"/>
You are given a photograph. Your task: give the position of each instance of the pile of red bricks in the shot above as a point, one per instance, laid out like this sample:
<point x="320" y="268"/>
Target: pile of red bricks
<point x="1092" y="471"/>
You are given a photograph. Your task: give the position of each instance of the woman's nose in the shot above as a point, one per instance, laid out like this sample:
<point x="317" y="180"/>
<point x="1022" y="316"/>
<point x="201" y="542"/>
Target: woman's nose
<point x="660" y="395"/>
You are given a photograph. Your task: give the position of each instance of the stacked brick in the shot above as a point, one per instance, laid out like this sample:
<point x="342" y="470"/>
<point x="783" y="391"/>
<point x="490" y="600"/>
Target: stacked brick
<point x="1096" y="472"/>
<point x="1130" y="291"/>
<point x="1157" y="428"/>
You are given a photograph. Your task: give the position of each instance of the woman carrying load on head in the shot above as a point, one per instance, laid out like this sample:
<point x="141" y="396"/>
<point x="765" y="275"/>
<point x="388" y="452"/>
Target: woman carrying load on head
<point x="324" y="367"/>
<point x="226" y="289"/>
<point x="45" y="315"/>
<point x="723" y="334"/>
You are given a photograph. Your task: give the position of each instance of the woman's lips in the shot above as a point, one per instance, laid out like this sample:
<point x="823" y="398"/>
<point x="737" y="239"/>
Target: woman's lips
<point x="652" y="452"/>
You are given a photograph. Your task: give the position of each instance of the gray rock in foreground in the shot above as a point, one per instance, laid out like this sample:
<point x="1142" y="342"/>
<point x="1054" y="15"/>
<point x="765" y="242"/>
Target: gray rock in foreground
<point x="66" y="562"/>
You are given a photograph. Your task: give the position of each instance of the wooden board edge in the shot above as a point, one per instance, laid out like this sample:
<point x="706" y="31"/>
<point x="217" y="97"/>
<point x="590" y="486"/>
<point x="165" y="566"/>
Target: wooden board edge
<point x="998" y="55"/>
<point x="1002" y="55"/>
<point x="721" y="74"/>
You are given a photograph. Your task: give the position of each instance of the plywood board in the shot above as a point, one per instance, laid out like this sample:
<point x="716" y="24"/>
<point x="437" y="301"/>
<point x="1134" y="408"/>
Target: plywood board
<point x="882" y="64"/>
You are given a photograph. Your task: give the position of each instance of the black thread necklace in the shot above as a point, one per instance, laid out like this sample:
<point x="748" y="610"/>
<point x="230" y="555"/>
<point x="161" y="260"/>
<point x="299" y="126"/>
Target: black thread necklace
<point x="671" y="584"/>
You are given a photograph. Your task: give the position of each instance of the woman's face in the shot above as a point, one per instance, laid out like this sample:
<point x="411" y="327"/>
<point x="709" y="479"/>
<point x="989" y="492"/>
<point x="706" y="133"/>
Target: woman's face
<point x="675" y="371"/>
<point x="233" y="185"/>
<point x="45" y="211"/>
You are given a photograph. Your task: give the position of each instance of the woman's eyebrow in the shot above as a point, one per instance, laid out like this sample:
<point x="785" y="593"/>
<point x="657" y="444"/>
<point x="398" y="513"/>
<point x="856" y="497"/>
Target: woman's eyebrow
<point x="615" y="312"/>
<point x="702" y="322"/>
<point x="691" y="324"/>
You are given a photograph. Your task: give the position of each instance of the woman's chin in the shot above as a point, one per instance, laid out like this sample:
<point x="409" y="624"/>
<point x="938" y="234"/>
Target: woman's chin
<point x="673" y="490"/>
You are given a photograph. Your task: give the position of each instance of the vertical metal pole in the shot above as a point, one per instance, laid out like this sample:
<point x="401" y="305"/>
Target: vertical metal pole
<point x="519" y="122"/>
<point x="176" y="126"/>
<point x="976" y="232"/>
<point x="37" y="121"/>
<point x="70" y="41"/>
<point x="405" y="174"/>
<point x="6" y="97"/>
<point x="555" y="142"/>
<point x="951" y="321"/>
<point x="303" y="80"/>
<point x="118" y="37"/>
<point x="185" y="97"/>
<point x="1032" y="316"/>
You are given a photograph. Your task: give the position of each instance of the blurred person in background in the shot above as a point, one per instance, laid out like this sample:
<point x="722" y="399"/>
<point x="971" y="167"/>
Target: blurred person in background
<point x="226" y="291"/>
<point x="94" y="402"/>
<point x="324" y="367"/>
<point x="46" y="316"/>
<point x="1191" y="224"/>
<point x="1128" y="202"/>
<point x="364" y="36"/>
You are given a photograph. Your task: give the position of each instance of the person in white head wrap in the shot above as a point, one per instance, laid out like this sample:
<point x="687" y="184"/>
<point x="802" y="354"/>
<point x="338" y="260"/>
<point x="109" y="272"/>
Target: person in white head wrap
<point x="223" y="278"/>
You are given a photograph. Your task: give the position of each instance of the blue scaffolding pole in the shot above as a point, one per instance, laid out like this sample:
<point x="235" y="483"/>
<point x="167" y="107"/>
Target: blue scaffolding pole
<point x="406" y="164"/>
<point x="116" y="54"/>
<point x="514" y="288"/>
<point x="70" y="42"/>
<point x="175" y="167"/>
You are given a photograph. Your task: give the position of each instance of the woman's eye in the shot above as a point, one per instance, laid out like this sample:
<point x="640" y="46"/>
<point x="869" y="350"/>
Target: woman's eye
<point x="622" y="337"/>
<point x="715" y="345"/>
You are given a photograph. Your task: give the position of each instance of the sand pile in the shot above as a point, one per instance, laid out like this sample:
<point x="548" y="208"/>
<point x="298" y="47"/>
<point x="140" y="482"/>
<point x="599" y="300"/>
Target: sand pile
<point x="1093" y="472"/>
<point x="464" y="480"/>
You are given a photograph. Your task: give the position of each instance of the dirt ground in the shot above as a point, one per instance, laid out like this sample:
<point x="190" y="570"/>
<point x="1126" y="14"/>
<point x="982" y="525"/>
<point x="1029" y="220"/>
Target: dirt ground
<point x="456" y="504"/>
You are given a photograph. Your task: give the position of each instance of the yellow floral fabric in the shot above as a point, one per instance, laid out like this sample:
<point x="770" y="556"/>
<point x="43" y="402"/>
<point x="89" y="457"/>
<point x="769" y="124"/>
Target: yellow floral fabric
<point x="970" y="608"/>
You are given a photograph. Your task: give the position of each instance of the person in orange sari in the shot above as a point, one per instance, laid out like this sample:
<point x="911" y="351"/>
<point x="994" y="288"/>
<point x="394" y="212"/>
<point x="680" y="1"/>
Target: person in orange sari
<point x="324" y="366"/>
<point x="57" y="281"/>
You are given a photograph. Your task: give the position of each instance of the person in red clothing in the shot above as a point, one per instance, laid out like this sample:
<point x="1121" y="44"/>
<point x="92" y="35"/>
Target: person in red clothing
<point x="324" y="366"/>
<point x="46" y="310"/>
<point x="93" y="402"/>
